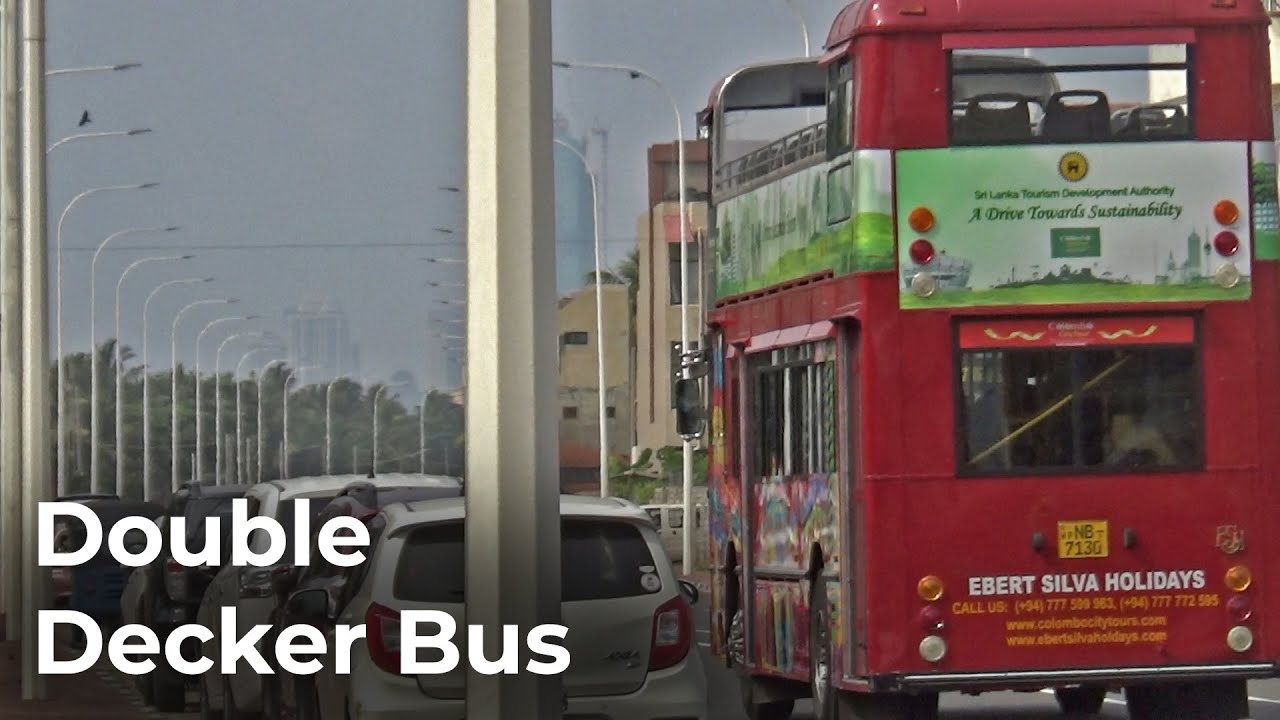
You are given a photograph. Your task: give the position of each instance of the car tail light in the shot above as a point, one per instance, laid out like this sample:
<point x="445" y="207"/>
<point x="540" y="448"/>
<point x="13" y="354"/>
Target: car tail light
<point x="1226" y="243"/>
<point x="175" y="580"/>
<point x="383" y="637"/>
<point x="921" y="251"/>
<point x="672" y="634"/>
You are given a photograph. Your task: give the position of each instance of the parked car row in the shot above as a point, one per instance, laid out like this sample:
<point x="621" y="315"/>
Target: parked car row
<point x="631" y="630"/>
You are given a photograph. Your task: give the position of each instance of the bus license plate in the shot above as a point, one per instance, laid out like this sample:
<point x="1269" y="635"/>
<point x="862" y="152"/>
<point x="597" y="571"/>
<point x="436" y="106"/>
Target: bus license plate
<point x="1082" y="539"/>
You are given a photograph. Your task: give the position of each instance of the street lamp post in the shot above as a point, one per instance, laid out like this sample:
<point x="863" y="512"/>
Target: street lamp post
<point x="804" y="27"/>
<point x="217" y="402"/>
<point x="91" y="135"/>
<point x="600" y="379"/>
<point x="173" y="398"/>
<point x="377" y="394"/>
<point x="120" y="373"/>
<point x="62" y="372"/>
<point x="92" y="68"/>
<point x="328" y="424"/>
<point x="198" y="465"/>
<point x="284" y="455"/>
<point x="258" y="445"/>
<point x="147" y="486"/>
<point x="94" y="483"/>
<point x="687" y="445"/>
<point x="242" y="471"/>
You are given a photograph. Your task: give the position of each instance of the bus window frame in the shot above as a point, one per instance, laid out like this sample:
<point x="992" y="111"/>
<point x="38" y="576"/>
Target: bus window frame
<point x="755" y="364"/>
<point x="1197" y="396"/>
<point x="1188" y="67"/>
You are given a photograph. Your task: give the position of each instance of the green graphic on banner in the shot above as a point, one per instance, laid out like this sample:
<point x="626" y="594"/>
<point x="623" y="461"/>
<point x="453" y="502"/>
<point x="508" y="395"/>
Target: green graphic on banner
<point x="1075" y="242"/>
<point x="1266" y="206"/>
<point x="835" y="216"/>
<point x="1086" y="224"/>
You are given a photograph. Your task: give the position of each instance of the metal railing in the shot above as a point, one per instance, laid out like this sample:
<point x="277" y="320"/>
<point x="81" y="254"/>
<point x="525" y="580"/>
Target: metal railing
<point x="768" y="161"/>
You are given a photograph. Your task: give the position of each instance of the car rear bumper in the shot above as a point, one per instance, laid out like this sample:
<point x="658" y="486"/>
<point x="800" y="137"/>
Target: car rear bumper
<point x="675" y="694"/>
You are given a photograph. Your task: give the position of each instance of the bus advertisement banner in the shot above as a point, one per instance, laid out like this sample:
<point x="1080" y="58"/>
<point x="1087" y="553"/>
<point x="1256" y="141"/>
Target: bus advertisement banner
<point x="1088" y="224"/>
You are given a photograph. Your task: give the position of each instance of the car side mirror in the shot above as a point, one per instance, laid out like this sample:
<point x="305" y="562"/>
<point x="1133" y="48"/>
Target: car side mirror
<point x="690" y="591"/>
<point x="311" y="604"/>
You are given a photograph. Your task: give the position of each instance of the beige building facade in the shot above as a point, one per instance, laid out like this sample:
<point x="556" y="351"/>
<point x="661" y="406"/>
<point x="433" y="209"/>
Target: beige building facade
<point x="579" y="369"/>
<point x="658" y="298"/>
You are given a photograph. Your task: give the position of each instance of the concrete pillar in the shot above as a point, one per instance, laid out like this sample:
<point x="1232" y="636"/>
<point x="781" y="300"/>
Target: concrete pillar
<point x="512" y="471"/>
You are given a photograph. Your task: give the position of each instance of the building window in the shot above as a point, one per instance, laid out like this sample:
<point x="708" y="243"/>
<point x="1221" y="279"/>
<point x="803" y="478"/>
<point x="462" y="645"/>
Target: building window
<point x="611" y="412"/>
<point x="576" y="337"/>
<point x="695" y="272"/>
<point x="570" y="412"/>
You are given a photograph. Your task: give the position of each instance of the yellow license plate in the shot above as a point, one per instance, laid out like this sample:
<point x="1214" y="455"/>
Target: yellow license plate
<point x="1082" y="539"/>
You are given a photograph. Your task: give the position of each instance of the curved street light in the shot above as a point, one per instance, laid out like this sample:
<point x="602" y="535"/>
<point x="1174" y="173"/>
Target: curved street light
<point x="146" y="382"/>
<point x="104" y="134"/>
<point x="242" y="470"/>
<point x="92" y="68"/>
<point x="262" y="375"/>
<point x="328" y="423"/>
<point x="94" y="371"/>
<point x="198" y="468"/>
<point x="687" y="446"/>
<point x="120" y="372"/>
<point x="284" y="392"/>
<point x="218" y="479"/>
<point x="62" y="372"/>
<point x="173" y="379"/>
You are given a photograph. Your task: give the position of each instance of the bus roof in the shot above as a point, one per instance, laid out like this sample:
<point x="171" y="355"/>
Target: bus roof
<point x="866" y="17"/>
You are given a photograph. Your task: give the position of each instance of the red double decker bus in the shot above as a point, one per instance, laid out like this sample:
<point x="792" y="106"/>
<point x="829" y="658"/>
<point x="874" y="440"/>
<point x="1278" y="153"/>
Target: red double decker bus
<point x="993" y="330"/>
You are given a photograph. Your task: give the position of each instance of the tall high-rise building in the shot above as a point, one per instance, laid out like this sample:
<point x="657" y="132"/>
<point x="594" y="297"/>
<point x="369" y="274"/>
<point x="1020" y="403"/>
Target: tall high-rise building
<point x="575" y="229"/>
<point x="319" y="337"/>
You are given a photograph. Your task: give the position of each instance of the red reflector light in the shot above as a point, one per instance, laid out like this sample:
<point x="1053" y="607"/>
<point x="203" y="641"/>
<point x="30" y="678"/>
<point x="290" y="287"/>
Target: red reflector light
<point x="1240" y="608"/>
<point x="921" y="252"/>
<point x="1226" y="212"/>
<point x="1226" y="243"/>
<point x="931" y="618"/>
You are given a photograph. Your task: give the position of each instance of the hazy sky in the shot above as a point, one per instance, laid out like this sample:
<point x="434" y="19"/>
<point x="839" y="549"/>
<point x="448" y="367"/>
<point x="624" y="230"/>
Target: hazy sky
<point x="305" y="125"/>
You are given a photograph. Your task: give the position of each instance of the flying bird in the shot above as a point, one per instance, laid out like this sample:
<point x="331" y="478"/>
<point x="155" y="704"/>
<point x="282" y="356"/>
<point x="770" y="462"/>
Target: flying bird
<point x="84" y="119"/>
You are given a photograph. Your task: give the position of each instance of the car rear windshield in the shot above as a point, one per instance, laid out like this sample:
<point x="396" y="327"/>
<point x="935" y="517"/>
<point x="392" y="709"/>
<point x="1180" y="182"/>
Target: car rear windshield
<point x="287" y="515"/>
<point x="199" y="510"/>
<point x="600" y="560"/>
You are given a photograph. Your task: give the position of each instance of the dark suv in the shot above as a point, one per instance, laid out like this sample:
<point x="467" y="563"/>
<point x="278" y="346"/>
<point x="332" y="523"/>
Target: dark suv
<point x="172" y="592"/>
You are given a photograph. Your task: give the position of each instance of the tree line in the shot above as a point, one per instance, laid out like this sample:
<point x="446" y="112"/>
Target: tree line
<point x="401" y="426"/>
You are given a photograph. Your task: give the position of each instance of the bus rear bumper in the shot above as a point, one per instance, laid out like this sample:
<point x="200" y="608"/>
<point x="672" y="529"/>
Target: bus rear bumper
<point x="1035" y="679"/>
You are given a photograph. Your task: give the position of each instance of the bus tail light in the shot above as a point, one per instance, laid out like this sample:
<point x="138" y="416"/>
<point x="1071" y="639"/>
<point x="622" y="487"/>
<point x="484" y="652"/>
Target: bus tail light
<point x="931" y="619"/>
<point x="1240" y="608"/>
<point x="933" y="648"/>
<point x="921" y="251"/>
<point x="921" y="220"/>
<point x="930" y="588"/>
<point x="1240" y="638"/>
<point x="1239" y="578"/>
<point x="1226" y="243"/>
<point x="1226" y="212"/>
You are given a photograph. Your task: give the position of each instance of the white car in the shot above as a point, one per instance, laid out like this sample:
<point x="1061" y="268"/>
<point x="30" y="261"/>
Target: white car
<point x="631" y="630"/>
<point x="251" y="590"/>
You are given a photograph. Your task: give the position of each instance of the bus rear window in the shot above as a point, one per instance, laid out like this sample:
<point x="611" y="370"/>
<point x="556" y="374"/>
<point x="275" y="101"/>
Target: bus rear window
<point x="1132" y="409"/>
<point x="600" y="560"/>
<point x="1014" y="96"/>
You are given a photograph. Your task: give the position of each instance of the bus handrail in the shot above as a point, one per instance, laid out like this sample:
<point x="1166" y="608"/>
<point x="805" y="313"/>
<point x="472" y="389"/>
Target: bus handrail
<point x="781" y="153"/>
<point x="1051" y="410"/>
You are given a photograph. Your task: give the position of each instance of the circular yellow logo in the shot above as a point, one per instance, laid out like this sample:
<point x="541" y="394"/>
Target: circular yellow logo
<point x="1073" y="167"/>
